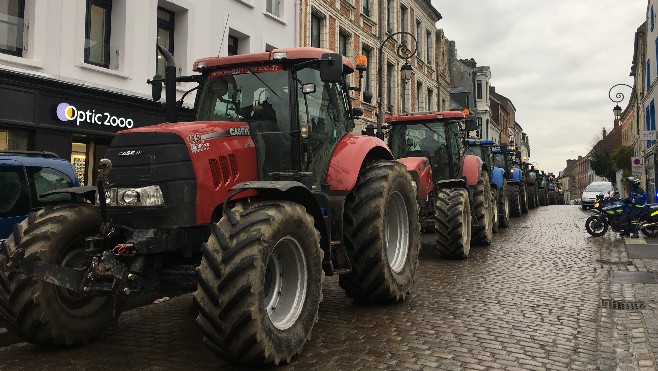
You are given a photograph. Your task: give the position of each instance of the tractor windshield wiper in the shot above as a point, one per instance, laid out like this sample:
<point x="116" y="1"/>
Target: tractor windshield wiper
<point x="261" y="80"/>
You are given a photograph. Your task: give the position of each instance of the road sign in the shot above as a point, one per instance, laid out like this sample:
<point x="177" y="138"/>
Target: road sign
<point x="648" y="135"/>
<point x="636" y="161"/>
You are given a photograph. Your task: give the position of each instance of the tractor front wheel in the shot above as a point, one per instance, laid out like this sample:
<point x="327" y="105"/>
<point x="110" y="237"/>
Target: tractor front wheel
<point x="42" y="312"/>
<point x="453" y="223"/>
<point x="514" y="199"/>
<point x="382" y="234"/>
<point x="482" y="228"/>
<point x="260" y="283"/>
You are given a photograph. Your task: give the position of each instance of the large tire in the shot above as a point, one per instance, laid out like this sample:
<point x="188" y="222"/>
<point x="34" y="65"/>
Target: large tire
<point x="382" y="234"/>
<point x="503" y="207"/>
<point x="495" y="221"/>
<point x="514" y="200"/>
<point x="453" y="223"/>
<point x="260" y="283"/>
<point x="595" y="227"/>
<point x="532" y="197"/>
<point x="551" y="198"/>
<point x="523" y="194"/>
<point x="482" y="228"/>
<point x="42" y="312"/>
<point x="541" y="193"/>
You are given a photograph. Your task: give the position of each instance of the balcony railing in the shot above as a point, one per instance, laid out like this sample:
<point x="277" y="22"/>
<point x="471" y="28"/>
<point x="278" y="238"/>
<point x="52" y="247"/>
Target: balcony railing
<point x="101" y="54"/>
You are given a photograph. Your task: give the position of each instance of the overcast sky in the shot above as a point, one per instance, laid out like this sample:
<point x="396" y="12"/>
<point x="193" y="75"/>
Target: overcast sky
<point x="555" y="60"/>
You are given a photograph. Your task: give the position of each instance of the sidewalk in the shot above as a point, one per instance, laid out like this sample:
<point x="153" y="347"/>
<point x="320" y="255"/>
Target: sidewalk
<point x="632" y="317"/>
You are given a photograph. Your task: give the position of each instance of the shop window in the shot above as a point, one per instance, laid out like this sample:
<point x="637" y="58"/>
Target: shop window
<point x="97" y="32"/>
<point x="166" y="22"/>
<point x="79" y="160"/>
<point x="13" y="140"/>
<point x="273" y="7"/>
<point x="12" y="26"/>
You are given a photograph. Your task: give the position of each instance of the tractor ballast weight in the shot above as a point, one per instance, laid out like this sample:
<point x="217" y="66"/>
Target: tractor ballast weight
<point x="267" y="181"/>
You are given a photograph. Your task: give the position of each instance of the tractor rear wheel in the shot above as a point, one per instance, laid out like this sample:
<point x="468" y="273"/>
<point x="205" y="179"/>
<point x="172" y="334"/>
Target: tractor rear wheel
<point x="514" y="199"/>
<point x="541" y="193"/>
<point x="260" y="283"/>
<point x="503" y="207"/>
<point x="532" y="197"/>
<point x="453" y="223"/>
<point x="523" y="194"/>
<point x="42" y="312"/>
<point x="482" y="228"/>
<point x="382" y="234"/>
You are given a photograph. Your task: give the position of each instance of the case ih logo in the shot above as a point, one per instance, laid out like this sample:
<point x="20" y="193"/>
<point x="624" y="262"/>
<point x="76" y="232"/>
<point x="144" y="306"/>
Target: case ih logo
<point x="239" y="131"/>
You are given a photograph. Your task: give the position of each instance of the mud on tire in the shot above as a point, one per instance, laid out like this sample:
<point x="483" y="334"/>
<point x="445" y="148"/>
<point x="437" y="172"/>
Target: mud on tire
<point x="453" y="223"/>
<point x="482" y="228"/>
<point x="42" y="312"/>
<point x="382" y="234"/>
<point x="260" y="258"/>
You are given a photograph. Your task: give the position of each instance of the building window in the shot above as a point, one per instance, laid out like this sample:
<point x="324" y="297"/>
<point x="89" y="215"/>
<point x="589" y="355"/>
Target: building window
<point x="233" y="43"/>
<point x="428" y="38"/>
<point x="403" y="24"/>
<point x="273" y="7"/>
<point x="419" y="41"/>
<point x="366" y="74"/>
<point x="651" y="121"/>
<point x="11" y="26"/>
<point x="430" y="100"/>
<point x="443" y="104"/>
<point x="165" y="36"/>
<point x="648" y="74"/>
<point x="366" y="7"/>
<point x="652" y="20"/>
<point x="389" y="87"/>
<point x="316" y="29"/>
<point x="479" y="89"/>
<point x="343" y="39"/>
<point x="389" y="16"/>
<point x="479" y="133"/>
<point x="97" y="32"/>
<point x="419" y="96"/>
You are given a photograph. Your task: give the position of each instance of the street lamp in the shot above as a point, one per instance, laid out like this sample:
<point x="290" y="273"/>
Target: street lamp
<point x="619" y="97"/>
<point x="403" y="52"/>
<point x="617" y="112"/>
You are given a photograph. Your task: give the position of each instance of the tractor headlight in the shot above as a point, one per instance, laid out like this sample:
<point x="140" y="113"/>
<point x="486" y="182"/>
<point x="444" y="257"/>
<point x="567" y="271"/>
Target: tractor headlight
<point x="144" y="196"/>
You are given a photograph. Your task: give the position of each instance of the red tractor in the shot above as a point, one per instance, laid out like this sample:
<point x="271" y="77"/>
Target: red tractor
<point x="266" y="193"/>
<point x="453" y="189"/>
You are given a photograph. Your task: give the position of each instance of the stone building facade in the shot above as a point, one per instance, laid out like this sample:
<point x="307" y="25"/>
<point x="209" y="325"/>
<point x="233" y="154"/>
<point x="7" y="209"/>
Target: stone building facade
<point x="358" y="27"/>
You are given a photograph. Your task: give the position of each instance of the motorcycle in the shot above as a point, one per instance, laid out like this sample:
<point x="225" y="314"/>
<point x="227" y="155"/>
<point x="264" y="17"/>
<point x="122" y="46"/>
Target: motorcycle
<point x="609" y="213"/>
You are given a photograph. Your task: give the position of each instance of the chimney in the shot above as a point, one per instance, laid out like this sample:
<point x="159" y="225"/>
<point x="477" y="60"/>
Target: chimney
<point x="604" y="132"/>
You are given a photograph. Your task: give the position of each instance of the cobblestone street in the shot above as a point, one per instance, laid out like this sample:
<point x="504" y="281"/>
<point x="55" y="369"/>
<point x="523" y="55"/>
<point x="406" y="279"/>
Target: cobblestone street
<point x="532" y="300"/>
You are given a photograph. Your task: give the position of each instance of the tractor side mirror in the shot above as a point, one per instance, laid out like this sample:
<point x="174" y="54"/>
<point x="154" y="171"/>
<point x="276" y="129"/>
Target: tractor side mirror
<point x="156" y="87"/>
<point x="331" y="68"/>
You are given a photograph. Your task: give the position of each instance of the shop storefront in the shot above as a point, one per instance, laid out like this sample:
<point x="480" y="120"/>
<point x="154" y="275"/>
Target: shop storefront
<point x="75" y="122"/>
<point x="650" y="168"/>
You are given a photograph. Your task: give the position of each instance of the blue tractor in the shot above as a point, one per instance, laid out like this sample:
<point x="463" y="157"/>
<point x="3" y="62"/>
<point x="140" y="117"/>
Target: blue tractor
<point x="25" y="179"/>
<point x="505" y="157"/>
<point x="483" y="149"/>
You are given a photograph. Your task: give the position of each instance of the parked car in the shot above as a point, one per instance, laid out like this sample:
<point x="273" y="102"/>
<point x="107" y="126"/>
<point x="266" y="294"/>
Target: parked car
<point x="24" y="178"/>
<point x="594" y="189"/>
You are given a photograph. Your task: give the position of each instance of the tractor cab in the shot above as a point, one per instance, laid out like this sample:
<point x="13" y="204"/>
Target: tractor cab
<point x="482" y="149"/>
<point x="435" y="136"/>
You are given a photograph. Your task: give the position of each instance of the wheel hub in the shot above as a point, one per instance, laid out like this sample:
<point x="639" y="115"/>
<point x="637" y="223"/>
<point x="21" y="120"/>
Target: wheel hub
<point x="285" y="283"/>
<point x="397" y="232"/>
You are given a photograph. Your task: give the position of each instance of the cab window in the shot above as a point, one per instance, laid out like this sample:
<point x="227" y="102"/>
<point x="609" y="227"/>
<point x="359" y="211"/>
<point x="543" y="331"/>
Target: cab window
<point x="15" y="200"/>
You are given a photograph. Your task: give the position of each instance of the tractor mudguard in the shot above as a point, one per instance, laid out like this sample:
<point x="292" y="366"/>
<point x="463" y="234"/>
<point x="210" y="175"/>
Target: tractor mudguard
<point x="421" y="172"/>
<point x="351" y="152"/>
<point x="498" y="177"/>
<point x="516" y="174"/>
<point x="472" y="169"/>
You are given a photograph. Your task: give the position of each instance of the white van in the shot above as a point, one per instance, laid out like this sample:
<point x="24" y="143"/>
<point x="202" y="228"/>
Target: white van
<point x="594" y="189"/>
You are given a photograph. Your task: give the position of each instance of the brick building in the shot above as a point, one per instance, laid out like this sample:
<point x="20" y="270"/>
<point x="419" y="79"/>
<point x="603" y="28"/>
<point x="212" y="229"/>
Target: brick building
<point x="358" y="27"/>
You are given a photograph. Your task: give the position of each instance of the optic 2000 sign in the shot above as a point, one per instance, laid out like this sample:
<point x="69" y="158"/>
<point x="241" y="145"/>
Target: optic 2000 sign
<point x="67" y="112"/>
